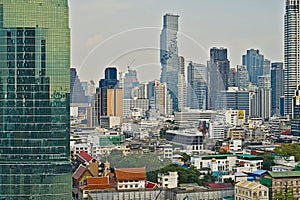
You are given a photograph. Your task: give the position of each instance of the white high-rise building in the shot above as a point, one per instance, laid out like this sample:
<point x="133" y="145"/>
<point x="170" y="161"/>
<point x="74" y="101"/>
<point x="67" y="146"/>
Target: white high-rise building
<point x="163" y="101"/>
<point x="291" y="53"/>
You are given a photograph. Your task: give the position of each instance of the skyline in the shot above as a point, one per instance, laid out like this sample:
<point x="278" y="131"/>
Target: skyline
<point x="241" y="31"/>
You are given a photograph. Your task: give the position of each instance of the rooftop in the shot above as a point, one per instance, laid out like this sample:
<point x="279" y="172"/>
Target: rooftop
<point x="97" y="180"/>
<point x="219" y="185"/>
<point x="258" y="172"/>
<point x="284" y="174"/>
<point x="248" y="156"/>
<point x="130" y="174"/>
<point x="86" y="156"/>
<point x="248" y="184"/>
<point x="214" y="156"/>
<point x="79" y="172"/>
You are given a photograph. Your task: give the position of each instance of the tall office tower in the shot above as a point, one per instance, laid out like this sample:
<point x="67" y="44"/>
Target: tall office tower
<point x="84" y="86"/>
<point x="242" y="77"/>
<point x="107" y="94"/>
<point x="291" y="51"/>
<point x="34" y="100"/>
<point x="218" y="74"/>
<point x="295" y="122"/>
<point x="232" y="77"/>
<point x="181" y="91"/>
<point x="265" y="95"/>
<point x="91" y="88"/>
<point x="77" y="92"/>
<point x="129" y="82"/>
<point x="255" y="64"/>
<point x="267" y="67"/>
<point x="169" y="56"/>
<point x="197" y="86"/>
<point x="163" y="100"/>
<point x="260" y="98"/>
<point x="181" y="65"/>
<point x="140" y="91"/>
<point x="235" y="99"/>
<point x="150" y="94"/>
<point x="181" y="84"/>
<point x="254" y="102"/>
<point x="277" y="77"/>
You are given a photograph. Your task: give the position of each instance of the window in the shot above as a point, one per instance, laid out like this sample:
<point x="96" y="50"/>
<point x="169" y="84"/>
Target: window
<point x="254" y="194"/>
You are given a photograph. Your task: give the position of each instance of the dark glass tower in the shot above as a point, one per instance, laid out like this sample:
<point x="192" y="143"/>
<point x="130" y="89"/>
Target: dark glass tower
<point x="277" y="77"/>
<point x="34" y="100"/>
<point x="218" y="75"/>
<point x="110" y="81"/>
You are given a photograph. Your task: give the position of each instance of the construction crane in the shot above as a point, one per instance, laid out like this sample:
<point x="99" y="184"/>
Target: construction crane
<point x="128" y="66"/>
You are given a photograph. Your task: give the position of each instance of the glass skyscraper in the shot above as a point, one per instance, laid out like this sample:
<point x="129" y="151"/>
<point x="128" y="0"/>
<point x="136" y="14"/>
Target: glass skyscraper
<point x="169" y="56"/>
<point x="255" y="64"/>
<point x="277" y="77"/>
<point x="34" y="100"/>
<point x="197" y="86"/>
<point x="291" y="53"/>
<point x="218" y="74"/>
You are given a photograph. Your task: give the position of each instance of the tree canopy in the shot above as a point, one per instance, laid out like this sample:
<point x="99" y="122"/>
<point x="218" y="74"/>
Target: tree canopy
<point x="190" y="175"/>
<point x="148" y="160"/>
<point x="289" y="150"/>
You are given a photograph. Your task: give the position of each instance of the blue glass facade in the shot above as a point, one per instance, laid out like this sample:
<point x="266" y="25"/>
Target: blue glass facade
<point x="255" y="64"/>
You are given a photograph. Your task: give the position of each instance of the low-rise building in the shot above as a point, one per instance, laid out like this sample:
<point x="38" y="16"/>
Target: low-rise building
<point x="248" y="163"/>
<point x="130" y="178"/>
<point x="236" y="133"/>
<point x="250" y="191"/>
<point x="188" y="139"/>
<point x="224" y="162"/>
<point x="167" y="180"/>
<point x="235" y="117"/>
<point x="236" y="145"/>
<point x="228" y="162"/>
<point x="283" y="183"/>
<point x="281" y="168"/>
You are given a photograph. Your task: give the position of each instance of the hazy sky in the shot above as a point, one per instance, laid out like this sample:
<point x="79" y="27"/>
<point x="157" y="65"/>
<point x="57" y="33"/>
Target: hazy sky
<point x="119" y="32"/>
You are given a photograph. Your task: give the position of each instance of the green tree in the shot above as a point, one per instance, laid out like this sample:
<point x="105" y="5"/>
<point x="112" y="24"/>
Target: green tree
<point x="285" y="194"/>
<point x="190" y="175"/>
<point x="185" y="158"/>
<point x="148" y="160"/>
<point x="268" y="161"/>
<point x="289" y="150"/>
<point x="162" y="133"/>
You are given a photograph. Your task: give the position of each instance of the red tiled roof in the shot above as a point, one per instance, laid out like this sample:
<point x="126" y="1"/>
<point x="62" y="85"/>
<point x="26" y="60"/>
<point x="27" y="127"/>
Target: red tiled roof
<point x="219" y="185"/>
<point x="97" y="183"/>
<point x="150" y="185"/>
<point x="86" y="156"/>
<point x="97" y="180"/>
<point x="130" y="174"/>
<point x="95" y="187"/>
<point x="79" y="172"/>
<point x="242" y="162"/>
